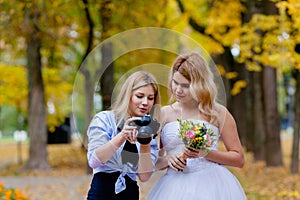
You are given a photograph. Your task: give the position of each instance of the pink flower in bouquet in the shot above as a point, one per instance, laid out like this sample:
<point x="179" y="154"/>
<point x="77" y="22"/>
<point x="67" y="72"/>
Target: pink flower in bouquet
<point x="196" y="135"/>
<point x="190" y="134"/>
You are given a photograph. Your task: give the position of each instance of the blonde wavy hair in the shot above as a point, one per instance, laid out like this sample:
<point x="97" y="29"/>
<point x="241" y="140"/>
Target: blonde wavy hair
<point x="132" y="83"/>
<point x="203" y="89"/>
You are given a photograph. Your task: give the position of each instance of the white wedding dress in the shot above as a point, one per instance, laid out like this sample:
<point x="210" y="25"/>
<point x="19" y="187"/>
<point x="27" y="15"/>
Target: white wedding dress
<point x="200" y="180"/>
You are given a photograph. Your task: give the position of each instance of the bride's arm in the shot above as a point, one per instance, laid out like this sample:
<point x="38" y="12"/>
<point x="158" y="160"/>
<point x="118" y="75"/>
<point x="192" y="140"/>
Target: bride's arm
<point x="162" y="162"/>
<point x="234" y="155"/>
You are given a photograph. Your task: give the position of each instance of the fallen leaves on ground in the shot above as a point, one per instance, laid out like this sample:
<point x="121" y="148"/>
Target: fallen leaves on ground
<point x="258" y="181"/>
<point x="64" y="159"/>
<point x="267" y="183"/>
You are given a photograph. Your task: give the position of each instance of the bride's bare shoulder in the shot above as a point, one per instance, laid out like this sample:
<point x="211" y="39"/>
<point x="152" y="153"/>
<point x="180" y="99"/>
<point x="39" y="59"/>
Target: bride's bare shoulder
<point x="168" y="114"/>
<point x="166" y="108"/>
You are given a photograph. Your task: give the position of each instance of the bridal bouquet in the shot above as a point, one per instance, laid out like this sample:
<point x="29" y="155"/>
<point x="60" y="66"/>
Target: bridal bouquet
<point x="196" y="135"/>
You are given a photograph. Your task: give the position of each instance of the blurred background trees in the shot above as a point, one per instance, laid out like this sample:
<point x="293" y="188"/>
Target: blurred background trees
<point x="255" y="45"/>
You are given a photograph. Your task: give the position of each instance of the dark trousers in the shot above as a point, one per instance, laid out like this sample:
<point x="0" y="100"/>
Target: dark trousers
<point x="103" y="188"/>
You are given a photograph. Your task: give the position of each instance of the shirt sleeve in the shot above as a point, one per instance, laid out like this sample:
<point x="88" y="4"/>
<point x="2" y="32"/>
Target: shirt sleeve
<point x="99" y="133"/>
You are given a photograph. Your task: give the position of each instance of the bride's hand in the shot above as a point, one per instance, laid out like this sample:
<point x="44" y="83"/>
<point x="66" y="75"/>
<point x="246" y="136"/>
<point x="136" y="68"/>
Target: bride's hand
<point x="176" y="162"/>
<point x="190" y="152"/>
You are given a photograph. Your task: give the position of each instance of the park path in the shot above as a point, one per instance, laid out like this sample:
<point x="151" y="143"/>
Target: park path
<point x="61" y="187"/>
<point x="49" y="187"/>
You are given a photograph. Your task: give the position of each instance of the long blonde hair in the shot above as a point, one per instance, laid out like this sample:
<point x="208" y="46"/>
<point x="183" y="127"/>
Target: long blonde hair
<point x="203" y="89"/>
<point x="132" y="83"/>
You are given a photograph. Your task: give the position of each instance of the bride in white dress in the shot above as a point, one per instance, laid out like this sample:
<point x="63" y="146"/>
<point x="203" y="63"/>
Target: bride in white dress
<point x="203" y="175"/>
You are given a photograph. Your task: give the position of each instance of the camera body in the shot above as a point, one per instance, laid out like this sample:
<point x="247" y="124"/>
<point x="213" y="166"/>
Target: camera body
<point x="146" y="126"/>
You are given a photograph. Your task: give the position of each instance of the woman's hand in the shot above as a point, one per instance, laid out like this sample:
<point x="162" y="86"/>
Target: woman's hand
<point x="130" y="132"/>
<point x="176" y="162"/>
<point x="190" y="152"/>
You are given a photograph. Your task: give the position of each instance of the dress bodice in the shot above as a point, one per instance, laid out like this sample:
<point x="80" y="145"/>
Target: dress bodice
<point x="173" y="144"/>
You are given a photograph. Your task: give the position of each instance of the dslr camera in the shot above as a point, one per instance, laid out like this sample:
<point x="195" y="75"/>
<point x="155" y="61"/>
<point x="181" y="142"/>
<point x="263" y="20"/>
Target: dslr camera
<point x="146" y="126"/>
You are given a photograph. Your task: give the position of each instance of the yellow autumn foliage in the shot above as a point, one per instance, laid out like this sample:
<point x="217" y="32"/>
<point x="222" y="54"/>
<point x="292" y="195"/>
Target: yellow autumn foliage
<point x="237" y="87"/>
<point x="231" y="75"/>
<point x="11" y="193"/>
<point x="58" y="88"/>
<point x="13" y="86"/>
<point x="225" y="26"/>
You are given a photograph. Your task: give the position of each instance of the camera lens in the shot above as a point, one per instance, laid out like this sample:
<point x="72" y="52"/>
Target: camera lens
<point x="144" y="135"/>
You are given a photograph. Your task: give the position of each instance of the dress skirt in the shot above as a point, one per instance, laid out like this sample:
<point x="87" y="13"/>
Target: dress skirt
<point x="201" y="180"/>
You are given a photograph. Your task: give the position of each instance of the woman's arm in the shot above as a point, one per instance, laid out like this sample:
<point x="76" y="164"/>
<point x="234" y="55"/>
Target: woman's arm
<point x="234" y="155"/>
<point x="101" y="146"/>
<point x="145" y="167"/>
<point x="105" y="152"/>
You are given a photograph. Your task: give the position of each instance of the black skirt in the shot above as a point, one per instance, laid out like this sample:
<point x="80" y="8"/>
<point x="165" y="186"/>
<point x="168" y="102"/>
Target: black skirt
<point x="103" y="187"/>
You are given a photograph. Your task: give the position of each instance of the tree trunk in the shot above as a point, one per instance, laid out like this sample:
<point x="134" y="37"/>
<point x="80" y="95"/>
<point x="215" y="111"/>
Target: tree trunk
<point x="272" y="121"/>
<point x="295" y="149"/>
<point x="227" y="62"/>
<point x="235" y="103"/>
<point x="250" y="141"/>
<point x="88" y="81"/>
<point x="107" y="78"/>
<point x="259" y="132"/>
<point x="239" y="101"/>
<point x="36" y="108"/>
<point x="255" y="130"/>
<point x="88" y="108"/>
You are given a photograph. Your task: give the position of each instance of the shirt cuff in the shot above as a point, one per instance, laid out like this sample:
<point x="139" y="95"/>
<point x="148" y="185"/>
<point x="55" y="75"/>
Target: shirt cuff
<point x="94" y="161"/>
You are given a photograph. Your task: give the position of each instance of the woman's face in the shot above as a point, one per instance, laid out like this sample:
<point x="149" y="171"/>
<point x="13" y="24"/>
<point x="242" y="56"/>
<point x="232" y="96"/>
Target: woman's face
<point x="181" y="88"/>
<point x="141" y="101"/>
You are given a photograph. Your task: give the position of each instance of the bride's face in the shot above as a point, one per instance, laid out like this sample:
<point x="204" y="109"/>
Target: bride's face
<point x="181" y="88"/>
